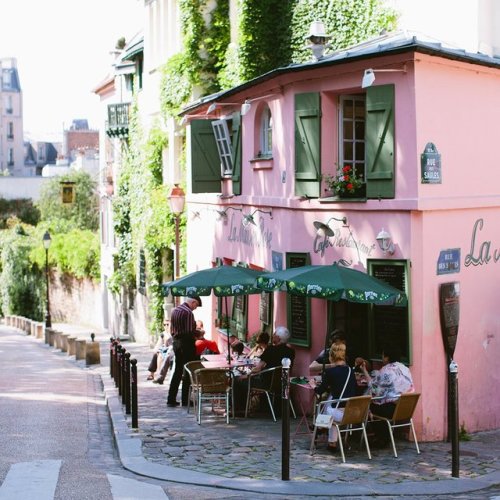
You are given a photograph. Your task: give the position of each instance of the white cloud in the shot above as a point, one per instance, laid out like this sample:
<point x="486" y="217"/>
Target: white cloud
<point x="62" y="49"/>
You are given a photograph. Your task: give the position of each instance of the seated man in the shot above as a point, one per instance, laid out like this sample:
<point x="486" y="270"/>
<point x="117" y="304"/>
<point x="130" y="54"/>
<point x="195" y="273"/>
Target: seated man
<point x="270" y="358"/>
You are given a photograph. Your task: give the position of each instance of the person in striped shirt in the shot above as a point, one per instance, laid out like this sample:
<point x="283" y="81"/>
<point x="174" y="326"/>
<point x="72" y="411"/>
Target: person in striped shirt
<point x="182" y="328"/>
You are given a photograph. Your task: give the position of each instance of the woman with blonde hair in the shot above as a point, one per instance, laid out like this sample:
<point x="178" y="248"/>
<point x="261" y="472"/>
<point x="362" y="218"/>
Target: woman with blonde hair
<point x="339" y="381"/>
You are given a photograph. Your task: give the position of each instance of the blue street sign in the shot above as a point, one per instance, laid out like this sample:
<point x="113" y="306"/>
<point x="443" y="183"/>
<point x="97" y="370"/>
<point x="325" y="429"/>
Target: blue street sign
<point x="449" y="261"/>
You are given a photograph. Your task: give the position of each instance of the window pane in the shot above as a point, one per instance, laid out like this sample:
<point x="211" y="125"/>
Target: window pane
<point x="360" y="129"/>
<point x="348" y="111"/>
<point x="348" y="151"/>
<point x="360" y="109"/>
<point x="348" y="130"/>
<point x="360" y="150"/>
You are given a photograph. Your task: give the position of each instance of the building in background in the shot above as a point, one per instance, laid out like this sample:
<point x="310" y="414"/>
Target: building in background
<point x="11" y="121"/>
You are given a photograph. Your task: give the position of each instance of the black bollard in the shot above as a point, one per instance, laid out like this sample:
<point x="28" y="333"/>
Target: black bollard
<point x="123" y="375"/>
<point x="119" y="369"/>
<point x="285" y="419"/>
<point x="127" y="383"/>
<point x="111" y="351"/>
<point x="133" y="386"/>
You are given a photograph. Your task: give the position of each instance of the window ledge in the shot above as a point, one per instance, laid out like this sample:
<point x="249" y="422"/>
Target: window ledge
<point x="262" y="162"/>
<point x="338" y="199"/>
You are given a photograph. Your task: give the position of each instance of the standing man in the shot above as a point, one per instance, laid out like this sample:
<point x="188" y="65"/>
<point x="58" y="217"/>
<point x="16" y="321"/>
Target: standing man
<point x="182" y="328"/>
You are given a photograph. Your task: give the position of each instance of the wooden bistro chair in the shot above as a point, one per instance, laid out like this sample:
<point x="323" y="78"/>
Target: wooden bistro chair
<point x="402" y="417"/>
<point x="271" y="388"/>
<point x="214" y="385"/>
<point x="355" y="416"/>
<point x="190" y="368"/>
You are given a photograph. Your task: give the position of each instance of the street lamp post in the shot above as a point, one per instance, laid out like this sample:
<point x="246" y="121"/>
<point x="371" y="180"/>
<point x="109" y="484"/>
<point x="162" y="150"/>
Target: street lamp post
<point x="176" y="200"/>
<point x="46" y="243"/>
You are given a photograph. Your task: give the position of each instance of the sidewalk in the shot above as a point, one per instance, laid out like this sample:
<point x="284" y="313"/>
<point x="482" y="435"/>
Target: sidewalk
<point x="246" y="454"/>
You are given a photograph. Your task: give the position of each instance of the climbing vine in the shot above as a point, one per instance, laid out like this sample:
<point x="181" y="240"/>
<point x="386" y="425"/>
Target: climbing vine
<point x="347" y="21"/>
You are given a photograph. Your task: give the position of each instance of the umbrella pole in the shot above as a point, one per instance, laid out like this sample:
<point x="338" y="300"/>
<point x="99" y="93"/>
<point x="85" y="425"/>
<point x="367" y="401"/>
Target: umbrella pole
<point x="325" y="353"/>
<point x="228" y="333"/>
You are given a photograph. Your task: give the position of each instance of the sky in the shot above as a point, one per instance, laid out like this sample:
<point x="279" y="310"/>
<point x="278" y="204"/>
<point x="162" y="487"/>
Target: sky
<point x="63" y="49"/>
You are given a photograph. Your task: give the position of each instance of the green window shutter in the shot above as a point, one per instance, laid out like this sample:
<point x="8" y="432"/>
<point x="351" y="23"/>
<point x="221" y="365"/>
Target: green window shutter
<point x="380" y="142"/>
<point x="205" y="161"/>
<point x="307" y="144"/>
<point x="236" y="147"/>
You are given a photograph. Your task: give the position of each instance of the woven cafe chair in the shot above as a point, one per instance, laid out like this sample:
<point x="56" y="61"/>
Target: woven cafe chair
<point x="214" y="385"/>
<point x="402" y="417"/>
<point x="356" y="411"/>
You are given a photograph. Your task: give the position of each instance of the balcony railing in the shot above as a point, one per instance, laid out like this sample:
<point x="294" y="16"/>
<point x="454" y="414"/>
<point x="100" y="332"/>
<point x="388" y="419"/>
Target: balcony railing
<point x="118" y="120"/>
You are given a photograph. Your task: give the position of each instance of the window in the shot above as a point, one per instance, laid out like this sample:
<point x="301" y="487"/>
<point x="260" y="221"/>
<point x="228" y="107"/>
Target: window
<point x="369" y="328"/>
<point x="365" y="136"/>
<point x="266" y="133"/>
<point x="8" y="105"/>
<point x="215" y="154"/>
<point x="10" y="157"/>
<point x="352" y="133"/>
<point x="223" y="141"/>
<point x="10" y="130"/>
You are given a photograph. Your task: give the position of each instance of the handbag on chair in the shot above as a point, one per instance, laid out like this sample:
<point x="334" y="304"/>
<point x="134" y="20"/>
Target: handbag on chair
<point x="324" y="420"/>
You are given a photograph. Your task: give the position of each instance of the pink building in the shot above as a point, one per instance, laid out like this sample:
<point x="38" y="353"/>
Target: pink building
<point x="421" y="136"/>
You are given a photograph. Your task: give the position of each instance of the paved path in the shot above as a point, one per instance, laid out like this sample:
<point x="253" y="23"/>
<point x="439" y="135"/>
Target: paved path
<point x="246" y="454"/>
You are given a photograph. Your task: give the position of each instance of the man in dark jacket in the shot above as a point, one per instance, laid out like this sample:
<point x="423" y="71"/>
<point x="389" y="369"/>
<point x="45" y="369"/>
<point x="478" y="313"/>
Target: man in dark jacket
<point x="182" y="327"/>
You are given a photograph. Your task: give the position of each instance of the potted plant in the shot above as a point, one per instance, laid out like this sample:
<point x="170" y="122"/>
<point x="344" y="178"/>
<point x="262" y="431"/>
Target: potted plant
<point x="345" y="183"/>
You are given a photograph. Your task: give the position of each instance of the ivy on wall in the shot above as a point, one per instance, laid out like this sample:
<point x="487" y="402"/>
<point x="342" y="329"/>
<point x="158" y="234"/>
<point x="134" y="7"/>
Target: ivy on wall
<point x="347" y="21"/>
<point x="142" y="218"/>
<point x="271" y="34"/>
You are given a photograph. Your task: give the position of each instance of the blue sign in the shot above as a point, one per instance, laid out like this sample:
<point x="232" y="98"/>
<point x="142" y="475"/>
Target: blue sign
<point x="449" y="261"/>
<point x="277" y="259"/>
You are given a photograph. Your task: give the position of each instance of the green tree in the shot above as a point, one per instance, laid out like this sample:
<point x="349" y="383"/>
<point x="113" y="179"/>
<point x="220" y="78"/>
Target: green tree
<point x="82" y="214"/>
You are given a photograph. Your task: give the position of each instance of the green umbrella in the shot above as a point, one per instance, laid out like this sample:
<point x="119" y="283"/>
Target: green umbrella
<point x="332" y="282"/>
<point x="224" y="281"/>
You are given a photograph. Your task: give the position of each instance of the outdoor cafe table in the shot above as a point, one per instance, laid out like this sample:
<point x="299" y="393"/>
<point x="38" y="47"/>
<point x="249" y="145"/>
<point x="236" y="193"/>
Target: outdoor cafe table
<point x="222" y="363"/>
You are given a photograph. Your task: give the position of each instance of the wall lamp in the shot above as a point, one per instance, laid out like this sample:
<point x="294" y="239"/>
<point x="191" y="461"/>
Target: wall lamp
<point x="246" y="106"/>
<point x="249" y="219"/>
<point x="186" y="118"/>
<point x="384" y="241"/>
<point x="323" y="229"/>
<point x="369" y="75"/>
<point x="216" y="105"/>
<point x="222" y="214"/>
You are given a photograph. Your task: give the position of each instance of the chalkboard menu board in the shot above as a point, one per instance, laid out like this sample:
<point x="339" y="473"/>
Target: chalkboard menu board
<point x="390" y="323"/>
<point x="299" y="307"/>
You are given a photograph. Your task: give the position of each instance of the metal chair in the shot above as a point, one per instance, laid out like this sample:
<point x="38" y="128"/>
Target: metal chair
<point x="270" y="385"/>
<point x="354" y="419"/>
<point x="214" y="385"/>
<point x="190" y="368"/>
<point x="402" y="417"/>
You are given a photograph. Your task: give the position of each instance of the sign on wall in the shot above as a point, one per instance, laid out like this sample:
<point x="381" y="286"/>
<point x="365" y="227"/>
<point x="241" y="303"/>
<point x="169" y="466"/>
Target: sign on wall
<point x="430" y="162"/>
<point x="449" y="261"/>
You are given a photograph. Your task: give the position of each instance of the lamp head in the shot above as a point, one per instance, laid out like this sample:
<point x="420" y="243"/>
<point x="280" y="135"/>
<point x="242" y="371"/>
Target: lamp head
<point x="384" y="241"/>
<point x="245" y="108"/>
<point x="368" y="78"/>
<point x="47" y="240"/>
<point x="176" y="199"/>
